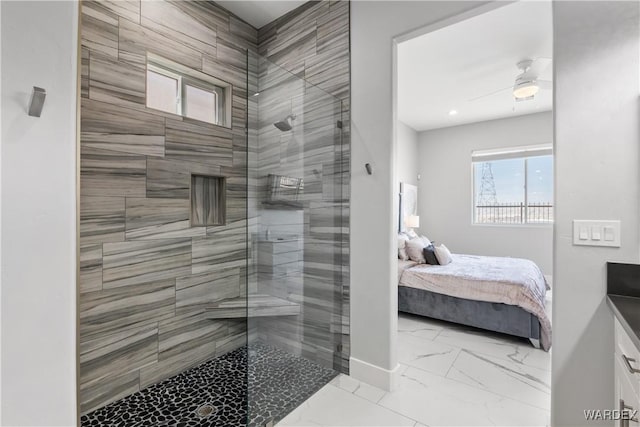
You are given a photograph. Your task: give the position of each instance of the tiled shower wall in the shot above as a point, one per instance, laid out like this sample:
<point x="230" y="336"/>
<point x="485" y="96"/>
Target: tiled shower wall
<point x="146" y="274"/>
<point x="312" y="43"/>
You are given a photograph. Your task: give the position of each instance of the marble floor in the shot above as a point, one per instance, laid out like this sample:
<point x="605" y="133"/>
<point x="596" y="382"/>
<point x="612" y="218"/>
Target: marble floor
<point x="451" y="375"/>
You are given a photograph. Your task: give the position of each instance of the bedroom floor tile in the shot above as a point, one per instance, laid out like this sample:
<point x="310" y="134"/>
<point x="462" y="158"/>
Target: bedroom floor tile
<point x="415" y="326"/>
<point x="430" y="356"/>
<point x="497" y="345"/>
<point x="437" y="401"/>
<point x="506" y="378"/>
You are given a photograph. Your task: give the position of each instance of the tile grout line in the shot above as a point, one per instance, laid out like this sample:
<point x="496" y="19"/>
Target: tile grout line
<point x="370" y="402"/>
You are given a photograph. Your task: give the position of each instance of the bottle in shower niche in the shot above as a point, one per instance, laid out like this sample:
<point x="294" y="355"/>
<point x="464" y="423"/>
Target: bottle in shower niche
<point x="268" y="234"/>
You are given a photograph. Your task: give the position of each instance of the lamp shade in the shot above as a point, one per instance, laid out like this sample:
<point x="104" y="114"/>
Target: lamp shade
<point x="525" y="88"/>
<point x="413" y="221"/>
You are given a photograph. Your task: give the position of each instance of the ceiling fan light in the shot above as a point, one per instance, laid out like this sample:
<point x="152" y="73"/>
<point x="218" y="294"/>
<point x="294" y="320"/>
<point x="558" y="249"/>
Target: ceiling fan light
<point x="525" y="89"/>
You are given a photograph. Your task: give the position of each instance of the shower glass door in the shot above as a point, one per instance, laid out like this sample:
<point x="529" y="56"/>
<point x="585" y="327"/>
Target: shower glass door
<point x="297" y="244"/>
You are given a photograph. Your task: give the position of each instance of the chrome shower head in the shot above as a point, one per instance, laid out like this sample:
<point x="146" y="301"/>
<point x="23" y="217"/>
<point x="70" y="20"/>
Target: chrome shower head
<point x="286" y="124"/>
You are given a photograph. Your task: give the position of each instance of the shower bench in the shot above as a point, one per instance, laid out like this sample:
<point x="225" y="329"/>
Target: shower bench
<point x="252" y="306"/>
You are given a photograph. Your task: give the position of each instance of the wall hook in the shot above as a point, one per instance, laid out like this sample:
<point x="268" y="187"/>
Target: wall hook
<point x="37" y="101"/>
<point x="367" y="166"/>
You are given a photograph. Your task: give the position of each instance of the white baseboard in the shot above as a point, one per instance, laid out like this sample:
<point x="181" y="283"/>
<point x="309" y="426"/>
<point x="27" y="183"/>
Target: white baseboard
<point x="374" y="375"/>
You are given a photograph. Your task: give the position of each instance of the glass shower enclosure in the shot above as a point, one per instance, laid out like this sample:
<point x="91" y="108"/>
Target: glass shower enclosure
<point x="212" y="286"/>
<point x="295" y="212"/>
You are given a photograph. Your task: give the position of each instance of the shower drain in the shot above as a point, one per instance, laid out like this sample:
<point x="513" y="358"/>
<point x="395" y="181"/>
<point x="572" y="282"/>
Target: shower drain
<point x="205" y="410"/>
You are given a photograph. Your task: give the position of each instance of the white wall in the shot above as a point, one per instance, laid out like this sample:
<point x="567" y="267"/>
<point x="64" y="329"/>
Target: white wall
<point x="38" y="214"/>
<point x="597" y="156"/>
<point x="0" y="219"/>
<point x="374" y="201"/>
<point x="445" y="199"/>
<point x="407" y="154"/>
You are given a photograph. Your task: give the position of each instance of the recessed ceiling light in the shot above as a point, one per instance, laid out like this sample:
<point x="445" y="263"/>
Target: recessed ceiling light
<point x="453" y="112"/>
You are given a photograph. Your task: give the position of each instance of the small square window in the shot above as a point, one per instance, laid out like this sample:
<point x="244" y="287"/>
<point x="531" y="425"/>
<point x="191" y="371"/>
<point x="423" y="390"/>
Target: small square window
<point x="163" y="92"/>
<point x="200" y="104"/>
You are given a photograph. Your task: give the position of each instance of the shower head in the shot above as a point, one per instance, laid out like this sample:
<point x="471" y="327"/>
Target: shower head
<point x="285" y="124"/>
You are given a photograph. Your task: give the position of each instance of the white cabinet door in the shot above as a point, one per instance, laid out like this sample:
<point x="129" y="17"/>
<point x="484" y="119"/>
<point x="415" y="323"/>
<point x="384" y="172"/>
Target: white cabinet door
<point x="626" y="400"/>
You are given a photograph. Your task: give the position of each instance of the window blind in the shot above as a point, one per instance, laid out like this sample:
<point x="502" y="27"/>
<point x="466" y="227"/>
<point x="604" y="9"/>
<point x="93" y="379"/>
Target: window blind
<point x="511" y="153"/>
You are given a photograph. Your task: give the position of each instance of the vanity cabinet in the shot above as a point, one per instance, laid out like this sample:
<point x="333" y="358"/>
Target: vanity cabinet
<point x="627" y="377"/>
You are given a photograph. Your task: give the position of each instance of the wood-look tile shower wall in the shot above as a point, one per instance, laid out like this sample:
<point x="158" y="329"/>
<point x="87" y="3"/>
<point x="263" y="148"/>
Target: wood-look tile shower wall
<point x="311" y="42"/>
<point x="146" y="274"/>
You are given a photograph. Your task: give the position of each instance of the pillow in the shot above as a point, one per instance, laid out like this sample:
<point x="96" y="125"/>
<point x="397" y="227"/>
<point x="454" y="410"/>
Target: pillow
<point x="426" y="241"/>
<point x="402" y="250"/>
<point x="443" y="254"/>
<point x="411" y="233"/>
<point x="414" y="250"/>
<point x="430" y="255"/>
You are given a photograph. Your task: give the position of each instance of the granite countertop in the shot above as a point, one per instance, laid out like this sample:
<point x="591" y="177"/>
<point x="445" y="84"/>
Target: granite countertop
<point x="623" y="297"/>
<point x="627" y="311"/>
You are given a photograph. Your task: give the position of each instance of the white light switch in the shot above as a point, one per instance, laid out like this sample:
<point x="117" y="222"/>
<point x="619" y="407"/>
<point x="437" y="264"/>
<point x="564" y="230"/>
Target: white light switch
<point x="609" y="234"/>
<point x="596" y="233"/>
<point x="584" y="233"/>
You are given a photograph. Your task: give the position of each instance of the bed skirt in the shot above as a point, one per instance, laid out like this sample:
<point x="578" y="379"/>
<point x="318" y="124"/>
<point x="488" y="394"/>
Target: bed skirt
<point x="497" y="317"/>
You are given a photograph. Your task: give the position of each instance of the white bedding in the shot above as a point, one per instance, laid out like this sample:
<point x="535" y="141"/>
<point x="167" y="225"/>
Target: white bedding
<point x="504" y="280"/>
<point x="404" y="265"/>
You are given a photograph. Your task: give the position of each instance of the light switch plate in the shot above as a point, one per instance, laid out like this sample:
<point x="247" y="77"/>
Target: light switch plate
<point x="600" y="233"/>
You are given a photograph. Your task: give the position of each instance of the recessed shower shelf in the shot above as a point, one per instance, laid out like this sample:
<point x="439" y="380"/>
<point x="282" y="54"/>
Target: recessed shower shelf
<point x="256" y="306"/>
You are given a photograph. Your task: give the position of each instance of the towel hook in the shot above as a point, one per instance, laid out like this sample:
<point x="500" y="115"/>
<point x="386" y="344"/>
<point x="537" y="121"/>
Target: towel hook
<point x="37" y="101"/>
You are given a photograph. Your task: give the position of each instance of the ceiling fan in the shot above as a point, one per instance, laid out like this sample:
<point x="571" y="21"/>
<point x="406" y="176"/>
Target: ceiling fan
<point x="527" y="83"/>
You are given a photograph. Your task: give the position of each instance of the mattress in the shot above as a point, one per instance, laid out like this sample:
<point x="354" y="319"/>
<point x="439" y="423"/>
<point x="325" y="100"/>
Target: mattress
<point x="404" y="265"/>
<point x="512" y="281"/>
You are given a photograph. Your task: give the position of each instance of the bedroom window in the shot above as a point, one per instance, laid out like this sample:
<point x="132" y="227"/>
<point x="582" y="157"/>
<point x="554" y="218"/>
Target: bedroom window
<point x="513" y="186"/>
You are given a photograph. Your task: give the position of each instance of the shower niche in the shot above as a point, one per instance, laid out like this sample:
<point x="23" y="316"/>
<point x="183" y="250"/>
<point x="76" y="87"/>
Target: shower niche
<point x="208" y="201"/>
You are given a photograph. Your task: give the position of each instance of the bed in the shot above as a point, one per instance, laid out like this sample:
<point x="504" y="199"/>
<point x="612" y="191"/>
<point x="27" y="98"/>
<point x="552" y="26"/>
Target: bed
<point x="499" y="294"/>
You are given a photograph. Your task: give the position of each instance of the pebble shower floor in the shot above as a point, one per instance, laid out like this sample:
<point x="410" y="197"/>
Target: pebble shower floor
<point x="221" y="392"/>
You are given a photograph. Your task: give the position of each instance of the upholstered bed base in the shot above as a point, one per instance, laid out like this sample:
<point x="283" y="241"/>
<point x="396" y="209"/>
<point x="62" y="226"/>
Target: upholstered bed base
<point x="508" y="319"/>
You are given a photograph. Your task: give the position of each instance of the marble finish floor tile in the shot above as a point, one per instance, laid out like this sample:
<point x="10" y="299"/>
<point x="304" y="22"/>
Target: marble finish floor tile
<point x="358" y="388"/>
<point x="333" y="406"/>
<point x="436" y="401"/>
<point x="415" y="326"/>
<point x="450" y="375"/>
<point x="430" y="356"/>
<point x="504" y="377"/>
<point x="497" y="345"/>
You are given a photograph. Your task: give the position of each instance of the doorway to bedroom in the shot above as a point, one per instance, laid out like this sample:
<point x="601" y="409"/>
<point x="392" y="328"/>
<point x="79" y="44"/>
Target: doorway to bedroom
<point x="474" y="179"/>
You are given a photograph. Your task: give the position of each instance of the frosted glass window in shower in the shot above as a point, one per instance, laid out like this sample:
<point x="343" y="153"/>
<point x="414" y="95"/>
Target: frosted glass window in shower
<point x="163" y="91"/>
<point x="200" y="104"/>
<point x="180" y="90"/>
